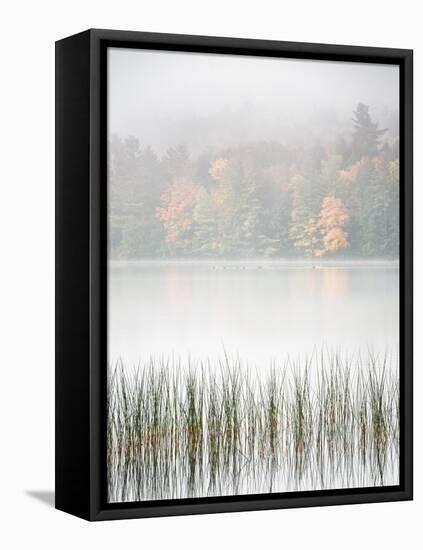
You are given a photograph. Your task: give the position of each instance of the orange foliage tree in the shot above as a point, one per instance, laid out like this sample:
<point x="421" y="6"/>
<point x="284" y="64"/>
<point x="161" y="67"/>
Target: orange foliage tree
<point x="217" y="168"/>
<point x="175" y="212"/>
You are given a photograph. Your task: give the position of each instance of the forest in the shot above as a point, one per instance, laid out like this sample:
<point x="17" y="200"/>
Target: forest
<point x="335" y="199"/>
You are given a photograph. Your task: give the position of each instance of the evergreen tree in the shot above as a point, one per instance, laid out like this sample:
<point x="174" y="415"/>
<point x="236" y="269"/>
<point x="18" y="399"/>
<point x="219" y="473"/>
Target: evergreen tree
<point x="205" y="238"/>
<point x="366" y="136"/>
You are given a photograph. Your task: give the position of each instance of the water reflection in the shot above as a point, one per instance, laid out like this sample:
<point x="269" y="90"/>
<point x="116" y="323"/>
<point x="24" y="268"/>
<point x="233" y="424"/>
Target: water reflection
<point x="180" y="430"/>
<point x="261" y="311"/>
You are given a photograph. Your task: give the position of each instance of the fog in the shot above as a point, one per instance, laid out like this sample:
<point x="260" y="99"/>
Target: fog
<point x="209" y="100"/>
<point x="217" y="272"/>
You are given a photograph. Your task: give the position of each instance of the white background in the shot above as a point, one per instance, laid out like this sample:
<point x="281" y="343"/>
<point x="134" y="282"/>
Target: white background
<point x="28" y="32"/>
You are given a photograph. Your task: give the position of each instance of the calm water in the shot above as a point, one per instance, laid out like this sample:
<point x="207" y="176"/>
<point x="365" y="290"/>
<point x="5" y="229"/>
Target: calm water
<point x="261" y="311"/>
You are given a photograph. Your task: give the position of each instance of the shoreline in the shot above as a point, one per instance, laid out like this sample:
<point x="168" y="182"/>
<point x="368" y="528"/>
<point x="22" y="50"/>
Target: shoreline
<point x="260" y="264"/>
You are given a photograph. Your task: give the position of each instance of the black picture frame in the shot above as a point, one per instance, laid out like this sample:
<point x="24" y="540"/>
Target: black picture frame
<point x="81" y="272"/>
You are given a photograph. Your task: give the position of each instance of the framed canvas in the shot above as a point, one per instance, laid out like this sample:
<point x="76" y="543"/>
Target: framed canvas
<point x="233" y="274"/>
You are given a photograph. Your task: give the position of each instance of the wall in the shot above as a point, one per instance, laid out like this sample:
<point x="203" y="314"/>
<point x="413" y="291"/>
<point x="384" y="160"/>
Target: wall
<point x="29" y="30"/>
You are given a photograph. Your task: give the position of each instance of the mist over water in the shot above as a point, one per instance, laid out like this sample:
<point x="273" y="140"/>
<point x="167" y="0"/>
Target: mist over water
<point x="261" y="311"/>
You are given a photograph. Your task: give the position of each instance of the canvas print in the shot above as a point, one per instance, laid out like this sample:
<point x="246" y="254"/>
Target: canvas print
<point x="253" y="275"/>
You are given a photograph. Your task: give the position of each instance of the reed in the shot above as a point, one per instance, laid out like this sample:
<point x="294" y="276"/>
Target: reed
<point x="191" y="429"/>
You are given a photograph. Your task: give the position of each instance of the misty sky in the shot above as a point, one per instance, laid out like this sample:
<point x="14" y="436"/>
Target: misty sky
<point x="209" y="100"/>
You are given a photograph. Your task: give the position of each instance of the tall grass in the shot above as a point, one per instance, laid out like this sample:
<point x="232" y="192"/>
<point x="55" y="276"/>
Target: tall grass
<point x="191" y="429"/>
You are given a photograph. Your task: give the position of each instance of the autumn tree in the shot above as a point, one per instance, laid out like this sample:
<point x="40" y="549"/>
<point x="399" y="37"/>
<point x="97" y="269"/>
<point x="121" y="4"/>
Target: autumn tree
<point x="325" y="233"/>
<point x="217" y="168"/>
<point x="257" y="199"/>
<point x="333" y="217"/>
<point x="176" y="214"/>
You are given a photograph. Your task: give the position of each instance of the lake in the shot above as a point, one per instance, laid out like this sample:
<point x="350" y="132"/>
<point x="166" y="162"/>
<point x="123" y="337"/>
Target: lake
<point x="261" y="311"/>
<point x="178" y="430"/>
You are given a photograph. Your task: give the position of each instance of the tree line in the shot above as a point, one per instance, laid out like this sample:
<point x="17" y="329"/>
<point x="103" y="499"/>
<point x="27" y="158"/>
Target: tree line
<point x="335" y="200"/>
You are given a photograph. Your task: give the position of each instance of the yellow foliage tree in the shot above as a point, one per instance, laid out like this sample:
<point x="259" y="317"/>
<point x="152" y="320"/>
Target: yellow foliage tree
<point x="324" y="233"/>
<point x="333" y="216"/>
